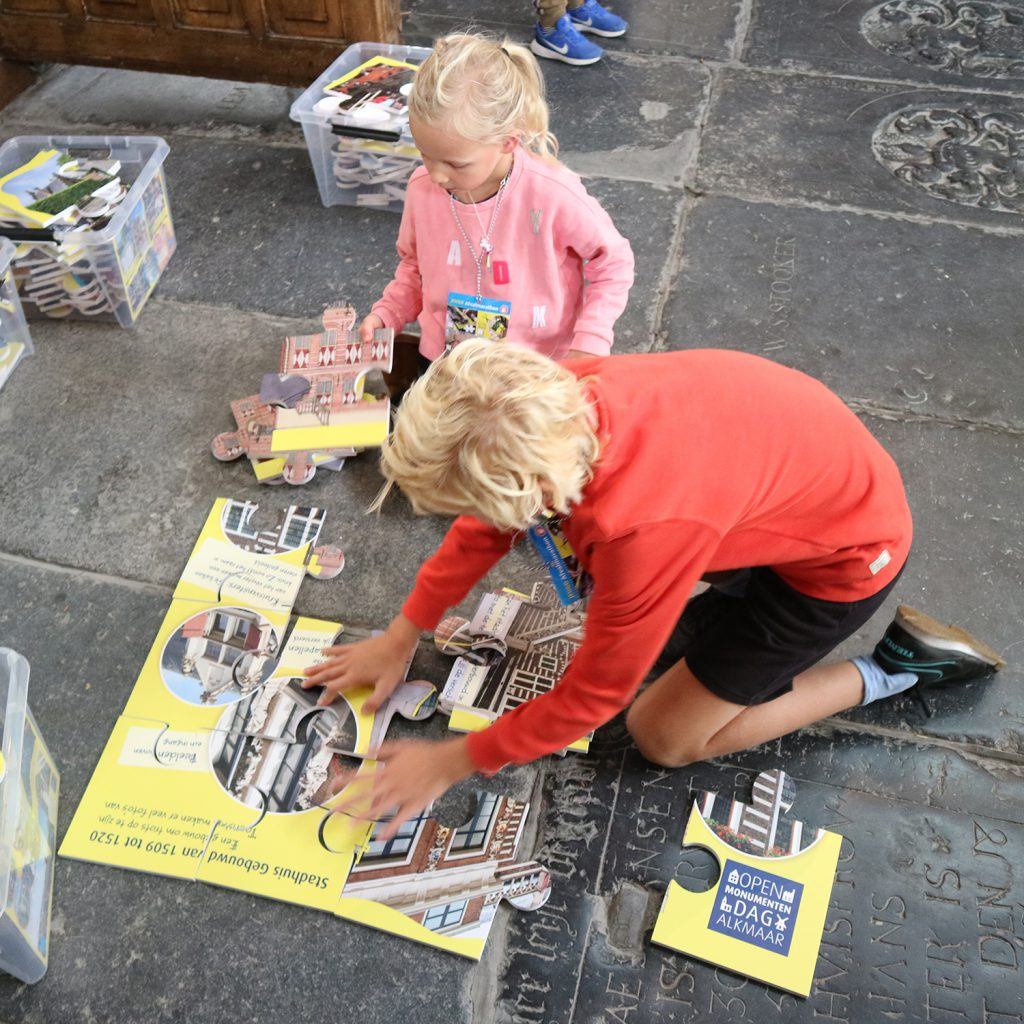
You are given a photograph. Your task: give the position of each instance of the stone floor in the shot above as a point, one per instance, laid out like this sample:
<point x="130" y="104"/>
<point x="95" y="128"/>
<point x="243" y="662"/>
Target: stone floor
<point x="735" y="143"/>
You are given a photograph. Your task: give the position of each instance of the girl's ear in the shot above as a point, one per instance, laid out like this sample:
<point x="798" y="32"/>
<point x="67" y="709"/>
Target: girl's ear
<point x="509" y="143"/>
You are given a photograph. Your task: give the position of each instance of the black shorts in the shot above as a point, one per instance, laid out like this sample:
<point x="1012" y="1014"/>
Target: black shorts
<point x="745" y="640"/>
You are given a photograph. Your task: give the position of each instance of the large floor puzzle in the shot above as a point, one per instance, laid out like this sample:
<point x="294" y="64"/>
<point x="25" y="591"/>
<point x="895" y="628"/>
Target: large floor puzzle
<point x="224" y="769"/>
<point x="764" y="916"/>
<point x="513" y="649"/>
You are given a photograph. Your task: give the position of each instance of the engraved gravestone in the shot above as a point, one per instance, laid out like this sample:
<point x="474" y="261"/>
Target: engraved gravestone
<point x="962" y="37"/>
<point x="967" y="156"/>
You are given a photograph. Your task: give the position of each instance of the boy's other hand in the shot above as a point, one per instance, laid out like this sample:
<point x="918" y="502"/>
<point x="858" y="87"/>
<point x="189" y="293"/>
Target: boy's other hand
<point x="368" y="326"/>
<point x="413" y="774"/>
<point x="379" y="661"/>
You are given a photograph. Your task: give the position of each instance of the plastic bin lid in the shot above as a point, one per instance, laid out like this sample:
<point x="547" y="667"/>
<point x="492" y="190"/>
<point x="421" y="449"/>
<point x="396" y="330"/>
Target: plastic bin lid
<point x="159" y="150"/>
<point x="14" y="701"/>
<point x="358" y="53"/>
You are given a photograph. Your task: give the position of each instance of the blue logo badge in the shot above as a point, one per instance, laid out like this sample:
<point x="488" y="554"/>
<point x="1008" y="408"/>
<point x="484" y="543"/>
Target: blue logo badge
<point x="756" y="906"/>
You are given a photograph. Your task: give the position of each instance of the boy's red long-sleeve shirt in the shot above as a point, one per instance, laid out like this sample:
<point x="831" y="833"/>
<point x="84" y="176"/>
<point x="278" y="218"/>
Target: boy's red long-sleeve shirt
<point x="710" y="460"/>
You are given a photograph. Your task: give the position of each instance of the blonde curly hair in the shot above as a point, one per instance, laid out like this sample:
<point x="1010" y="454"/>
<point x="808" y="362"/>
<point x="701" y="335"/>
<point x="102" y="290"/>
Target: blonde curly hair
<point x="494" y="431"/>
<point x="485" y="91"/>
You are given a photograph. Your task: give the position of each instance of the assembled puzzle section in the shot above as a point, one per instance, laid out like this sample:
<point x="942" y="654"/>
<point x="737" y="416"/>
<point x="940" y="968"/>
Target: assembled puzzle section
<point x="764" y="916"/>
<point x="315" y="411"/>
<point x="355" y="121"/>
<point x="29" y="784"/>
<point x="15" y="340"/>
<point x="226" y="769"/>
<point x="514" y="648"/>
<point x="91" y="220"/>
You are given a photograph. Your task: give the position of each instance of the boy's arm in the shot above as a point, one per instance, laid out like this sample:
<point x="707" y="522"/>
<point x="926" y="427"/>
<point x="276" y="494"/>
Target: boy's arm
<point x="641" y="584"/>
<point x="402" y="300"/>
<point x="608" y="273"/>
<point x="468" y="552"/>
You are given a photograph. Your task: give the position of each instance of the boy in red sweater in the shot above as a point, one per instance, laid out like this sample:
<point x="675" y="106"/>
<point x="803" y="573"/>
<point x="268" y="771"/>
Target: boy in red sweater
<point x="665" y="469"/>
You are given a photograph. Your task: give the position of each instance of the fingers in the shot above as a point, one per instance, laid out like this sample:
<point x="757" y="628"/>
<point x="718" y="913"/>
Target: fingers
<point x="405" y="812"/>
<point x="382" y="689"/>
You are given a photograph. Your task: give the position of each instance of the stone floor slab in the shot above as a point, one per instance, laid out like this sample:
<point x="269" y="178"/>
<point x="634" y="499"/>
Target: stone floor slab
<point x="655" y="26"/>
<point x="809" y="139"/>
<point x="892" y="39"/>
<point x="913" y="317"/>
<point x="121" y="459"/>
<point x="149" y="102"/>
<point x="921" y="925"/>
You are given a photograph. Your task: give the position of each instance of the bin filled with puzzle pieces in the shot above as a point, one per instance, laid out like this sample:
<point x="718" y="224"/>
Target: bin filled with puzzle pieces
<point x="29" y="782"/>
<point x="90" y="220"/>
<point x="355" y="119"/>
<point x="15" y="341"/>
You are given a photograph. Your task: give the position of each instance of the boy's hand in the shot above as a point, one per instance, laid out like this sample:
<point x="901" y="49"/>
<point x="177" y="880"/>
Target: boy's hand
<point x="413" y="774"/>
<point x="378" y="661"/>
<point x="368" y="326"/>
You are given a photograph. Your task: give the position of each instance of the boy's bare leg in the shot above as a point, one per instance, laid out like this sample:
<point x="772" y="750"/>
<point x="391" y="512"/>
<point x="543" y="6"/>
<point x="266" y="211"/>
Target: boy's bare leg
<point x="677" y="721"/>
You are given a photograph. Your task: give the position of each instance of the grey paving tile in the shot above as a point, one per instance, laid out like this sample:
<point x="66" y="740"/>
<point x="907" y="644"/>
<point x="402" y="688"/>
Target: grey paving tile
<point x="154" y="103"/>
<point x="131" y="946"/>
<point x="813" y="139"/>
<point x="919" y="318"/>
<point x="656" y="26"/>
<point x="121" y="459"/>
<point x="944" y="41"/>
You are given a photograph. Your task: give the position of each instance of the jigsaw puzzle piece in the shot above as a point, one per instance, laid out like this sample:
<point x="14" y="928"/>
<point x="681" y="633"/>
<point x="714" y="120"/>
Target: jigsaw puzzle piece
<point x="299" y="850"/>
<point x="441" y="886"/>
<point x="515" y="647"/>
<point x="146" y="813"/>
<point x="284" y="710"/>
<point x="764" y="917"/>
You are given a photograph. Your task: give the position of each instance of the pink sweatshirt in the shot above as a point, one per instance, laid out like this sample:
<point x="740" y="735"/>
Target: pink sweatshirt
<point x="546" y="227"/>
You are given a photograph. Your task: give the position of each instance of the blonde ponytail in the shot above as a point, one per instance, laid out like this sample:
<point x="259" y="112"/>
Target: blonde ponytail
<point x="485" y="91"/>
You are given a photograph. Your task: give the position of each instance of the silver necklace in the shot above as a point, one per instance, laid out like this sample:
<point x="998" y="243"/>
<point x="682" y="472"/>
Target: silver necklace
<point x="486" y="248"/>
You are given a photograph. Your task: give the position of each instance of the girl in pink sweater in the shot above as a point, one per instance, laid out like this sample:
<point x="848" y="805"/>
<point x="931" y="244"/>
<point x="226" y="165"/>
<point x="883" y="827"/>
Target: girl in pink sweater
<point x="496" y="232"/>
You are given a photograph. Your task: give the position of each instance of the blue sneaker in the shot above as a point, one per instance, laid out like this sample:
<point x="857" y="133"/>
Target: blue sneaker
<point x="592" y="17"/>
<point x="564" y="43"/>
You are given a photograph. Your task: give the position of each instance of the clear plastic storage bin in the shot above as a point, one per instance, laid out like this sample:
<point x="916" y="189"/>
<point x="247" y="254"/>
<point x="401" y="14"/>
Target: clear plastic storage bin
<point x="15" y="341"/>
<point x="29" y="781"/>
<point x="106" y="274"/>
<point x="353" y="169"/>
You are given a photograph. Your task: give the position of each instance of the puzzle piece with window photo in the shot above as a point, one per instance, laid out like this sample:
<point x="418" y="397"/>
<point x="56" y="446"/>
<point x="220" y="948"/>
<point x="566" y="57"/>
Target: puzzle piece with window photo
<point x="515" y="647"/>
<point x="441" y="886"/>
<point x="315" y="410"/>
<point x="764" y="916"/>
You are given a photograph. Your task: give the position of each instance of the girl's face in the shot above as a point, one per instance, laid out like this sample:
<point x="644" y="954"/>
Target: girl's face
<point x="458" y="164"/>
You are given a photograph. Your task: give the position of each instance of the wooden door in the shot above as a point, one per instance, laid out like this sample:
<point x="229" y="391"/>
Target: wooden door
<point x="288" y="42"/>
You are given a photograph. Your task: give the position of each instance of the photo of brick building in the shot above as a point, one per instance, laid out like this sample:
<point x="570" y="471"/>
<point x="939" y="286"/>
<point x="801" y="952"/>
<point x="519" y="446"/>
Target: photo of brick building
<point x="451" y="880"/>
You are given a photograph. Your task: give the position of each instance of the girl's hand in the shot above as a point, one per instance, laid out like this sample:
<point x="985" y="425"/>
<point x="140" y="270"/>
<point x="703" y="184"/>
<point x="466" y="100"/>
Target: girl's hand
<point x="378" y="661"/>
<point x="413" y="774"/>
<point x="368" y="326"/>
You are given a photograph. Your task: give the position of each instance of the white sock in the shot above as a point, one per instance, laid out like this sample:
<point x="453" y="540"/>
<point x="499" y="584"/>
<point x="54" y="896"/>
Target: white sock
<point x="879" y="684"/>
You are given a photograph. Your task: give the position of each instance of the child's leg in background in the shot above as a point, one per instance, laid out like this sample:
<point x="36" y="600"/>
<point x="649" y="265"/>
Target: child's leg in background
<point x="549" y="11"/>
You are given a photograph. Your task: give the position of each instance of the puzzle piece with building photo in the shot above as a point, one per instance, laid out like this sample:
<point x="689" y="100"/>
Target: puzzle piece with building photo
<point x="764" y="916"/>
<point x="513" y="649"/>
<point x="441" y="886"/>
<point x="282" y="709"/>
<point x="315" y="410"/>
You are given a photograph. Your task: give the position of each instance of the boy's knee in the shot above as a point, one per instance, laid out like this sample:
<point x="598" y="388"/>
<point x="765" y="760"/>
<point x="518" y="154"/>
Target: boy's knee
<point x="657" y="745"/>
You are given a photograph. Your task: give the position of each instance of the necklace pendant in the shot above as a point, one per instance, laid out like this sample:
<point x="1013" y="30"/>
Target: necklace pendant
<point x="488" y="259"/>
